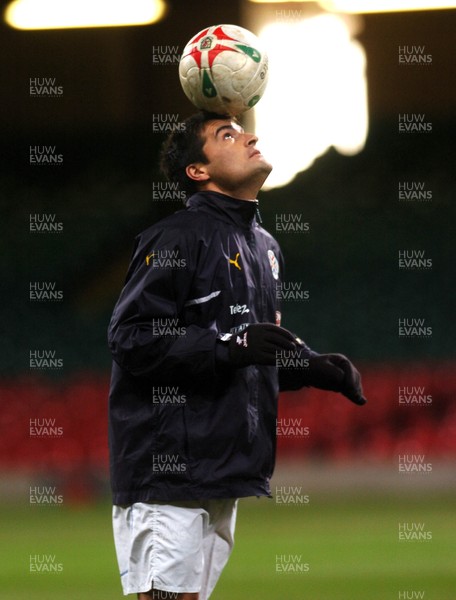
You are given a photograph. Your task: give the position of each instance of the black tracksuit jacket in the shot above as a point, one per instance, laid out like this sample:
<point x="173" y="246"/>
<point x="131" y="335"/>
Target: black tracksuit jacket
<point x="183" y="424"/>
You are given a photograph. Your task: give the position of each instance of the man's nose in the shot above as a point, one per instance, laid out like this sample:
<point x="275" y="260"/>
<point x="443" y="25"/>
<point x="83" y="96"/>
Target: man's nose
<point x="251" y="139"/>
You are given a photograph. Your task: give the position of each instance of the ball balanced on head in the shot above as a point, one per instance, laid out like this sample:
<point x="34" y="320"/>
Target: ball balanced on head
<point x="223" y="69"/>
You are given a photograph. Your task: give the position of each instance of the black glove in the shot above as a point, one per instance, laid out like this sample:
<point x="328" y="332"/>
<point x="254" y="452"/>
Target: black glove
<point x="259" y="343"/>
<point x="334" y="372"/>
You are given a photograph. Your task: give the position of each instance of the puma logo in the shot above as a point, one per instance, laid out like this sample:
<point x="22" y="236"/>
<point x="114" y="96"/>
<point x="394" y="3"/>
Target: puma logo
<point x="235" y="261"/>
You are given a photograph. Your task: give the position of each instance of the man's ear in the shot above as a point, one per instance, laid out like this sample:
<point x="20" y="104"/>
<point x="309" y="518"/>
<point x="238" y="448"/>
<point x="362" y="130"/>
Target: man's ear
<point x="197" y="172"/>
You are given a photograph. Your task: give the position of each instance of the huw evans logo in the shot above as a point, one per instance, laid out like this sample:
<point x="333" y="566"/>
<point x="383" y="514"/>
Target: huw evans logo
<point x="165" y="259"/>
<point x="414" y="56"/>
<point x="414" y="123"/>
<point x="44" y="291"/>
<point x="44" y="563"/>
<point x="167" y="191"/>
<point x="166" y="55"/>
<point x="167" y="395"/>
<point x="413" y="532"/>
<point x="167" y="123"/>
<point x="288" y="291"/>
<point x="44" y="223"/>
<point x="161" y="595"/>
<point x="44" y="428"/>
<point x="412" y="191"/>
<point x="291" y="359"/>
<point x="291" y="563"/>
<point x="286" y="495"/>
<point x="414" y="396"/>
<point x="168" y="328"/>
<point x="44" y="155"/>
<point x="45" y="496"/>
<point x="414" y="260"/>
<point x="289" y="16"/>
<point x="414" y="328"/>
<point x="45" y="87"/>
<point x="291" y="223"/>
<point x="292" y="427"/>
<point x="173" y="532"/>
<point x="168" y="463"/>
<point x="45" y="359"/>
<point x="413" y="463"/>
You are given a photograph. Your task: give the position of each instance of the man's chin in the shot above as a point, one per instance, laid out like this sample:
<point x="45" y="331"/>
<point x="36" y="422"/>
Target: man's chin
<point x="264" y="164"/>
<point x="266" y="167"/>
<point x="265" y="173"/>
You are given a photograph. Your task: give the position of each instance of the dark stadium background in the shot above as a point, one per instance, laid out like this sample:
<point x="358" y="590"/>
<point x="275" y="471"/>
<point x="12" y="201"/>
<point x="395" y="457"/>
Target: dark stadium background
<point x="102" y="125"/>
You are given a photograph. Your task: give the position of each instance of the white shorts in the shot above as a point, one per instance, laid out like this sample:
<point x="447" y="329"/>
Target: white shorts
<point x="174" y="546"/>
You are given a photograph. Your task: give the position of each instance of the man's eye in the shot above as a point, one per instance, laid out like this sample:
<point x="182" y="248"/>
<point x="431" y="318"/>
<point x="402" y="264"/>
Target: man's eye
<point x="227" y="135"/>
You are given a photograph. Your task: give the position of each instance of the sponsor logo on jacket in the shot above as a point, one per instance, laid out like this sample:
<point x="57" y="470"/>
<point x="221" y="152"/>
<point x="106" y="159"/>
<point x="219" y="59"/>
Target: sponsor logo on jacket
<point x="235" y="261"/>
<point x="239" y="309"/>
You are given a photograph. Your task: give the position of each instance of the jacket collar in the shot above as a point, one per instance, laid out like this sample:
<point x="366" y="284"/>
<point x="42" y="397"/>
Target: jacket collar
<point x="231" y="210"/>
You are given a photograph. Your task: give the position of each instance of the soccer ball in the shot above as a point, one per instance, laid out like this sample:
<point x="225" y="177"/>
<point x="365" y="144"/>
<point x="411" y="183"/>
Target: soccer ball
<point x="223" y="69"/>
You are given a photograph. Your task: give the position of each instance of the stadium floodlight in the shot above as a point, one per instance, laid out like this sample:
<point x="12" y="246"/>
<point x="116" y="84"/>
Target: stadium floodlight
<point x="372" y="6"/>
<point x="318" y="87"/>
<point x="380" y="6"/>
<point x="64" y="14"/>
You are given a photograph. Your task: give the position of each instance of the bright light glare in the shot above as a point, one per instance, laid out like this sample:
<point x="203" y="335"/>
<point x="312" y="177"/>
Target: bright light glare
<point x="61" y="14"/>
<point x="372" y="6"/>
<point x="316" y="95"/>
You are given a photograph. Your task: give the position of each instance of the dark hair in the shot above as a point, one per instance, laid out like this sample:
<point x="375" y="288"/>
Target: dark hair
<point x="183" y="147"/>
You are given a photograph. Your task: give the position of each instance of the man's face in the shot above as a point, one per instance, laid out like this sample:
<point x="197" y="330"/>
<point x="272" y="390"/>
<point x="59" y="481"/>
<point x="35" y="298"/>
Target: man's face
<point x="235" y="165"/>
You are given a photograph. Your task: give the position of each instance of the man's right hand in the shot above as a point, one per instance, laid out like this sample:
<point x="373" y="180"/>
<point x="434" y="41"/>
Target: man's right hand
<point x="259" y="343"/>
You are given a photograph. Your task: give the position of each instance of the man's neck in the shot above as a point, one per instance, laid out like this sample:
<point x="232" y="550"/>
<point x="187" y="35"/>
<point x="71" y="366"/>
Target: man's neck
<point x="248" y="193"/>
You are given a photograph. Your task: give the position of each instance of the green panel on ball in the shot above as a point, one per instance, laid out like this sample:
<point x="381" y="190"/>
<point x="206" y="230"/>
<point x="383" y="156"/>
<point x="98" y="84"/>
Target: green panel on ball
<point x="208" y="87"/>
<point x="253" y="101"/>
<point x="254" y="54"/>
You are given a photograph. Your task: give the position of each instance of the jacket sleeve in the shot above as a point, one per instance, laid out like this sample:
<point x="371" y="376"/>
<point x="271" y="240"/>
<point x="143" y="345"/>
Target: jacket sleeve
<point x="146" y="335"/>
<point x="293" y="376"/>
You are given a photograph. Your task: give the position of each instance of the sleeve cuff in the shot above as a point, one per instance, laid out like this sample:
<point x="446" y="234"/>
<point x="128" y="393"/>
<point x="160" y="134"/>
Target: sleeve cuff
<point x="222" y="355"/>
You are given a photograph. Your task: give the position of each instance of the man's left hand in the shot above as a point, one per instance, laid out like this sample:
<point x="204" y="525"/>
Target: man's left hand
<point x="336" y="373"/>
